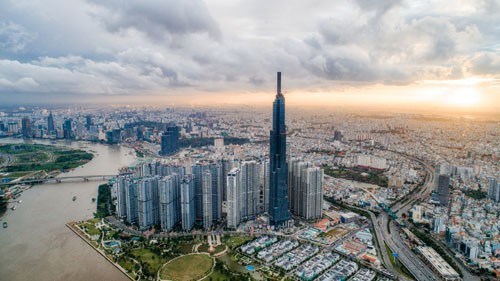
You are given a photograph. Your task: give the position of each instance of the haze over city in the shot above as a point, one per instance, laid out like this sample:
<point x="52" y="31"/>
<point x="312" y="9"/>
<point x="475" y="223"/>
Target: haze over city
<point x="393" y="53"/>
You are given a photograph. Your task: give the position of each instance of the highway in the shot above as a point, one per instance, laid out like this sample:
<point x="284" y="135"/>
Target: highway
<point x="393" y="238"/>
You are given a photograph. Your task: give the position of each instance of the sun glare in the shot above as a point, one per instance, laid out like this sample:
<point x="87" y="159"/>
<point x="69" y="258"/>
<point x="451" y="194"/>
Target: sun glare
<point x="463" y="97"/>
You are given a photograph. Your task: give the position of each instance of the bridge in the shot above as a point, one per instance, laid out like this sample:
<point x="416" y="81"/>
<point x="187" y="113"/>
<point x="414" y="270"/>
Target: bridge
<point x="59" y="179"/>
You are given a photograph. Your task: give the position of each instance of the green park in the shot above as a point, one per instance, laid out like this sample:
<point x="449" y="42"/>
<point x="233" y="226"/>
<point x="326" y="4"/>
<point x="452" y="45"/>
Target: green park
<point x="36" y="161"/>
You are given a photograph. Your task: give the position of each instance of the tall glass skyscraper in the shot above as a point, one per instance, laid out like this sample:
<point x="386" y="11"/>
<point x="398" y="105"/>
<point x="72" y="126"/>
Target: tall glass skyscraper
<point x="50" y="123"/>
<point x="279" y="213"/>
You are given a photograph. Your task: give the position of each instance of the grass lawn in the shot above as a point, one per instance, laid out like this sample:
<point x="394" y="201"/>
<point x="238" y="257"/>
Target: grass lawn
<point x="186" y="248"/>
<point x="147" y="256"/>
<point x="128" y="265"/>
<point x="34" y="157"/>
<point x="91" y="229"/>
<point x="236" y="241"/>
<point x="183" y="269"/>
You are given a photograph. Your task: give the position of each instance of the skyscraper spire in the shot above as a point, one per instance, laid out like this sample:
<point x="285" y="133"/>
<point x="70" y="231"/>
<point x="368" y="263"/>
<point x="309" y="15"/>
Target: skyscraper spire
<point x="278" y="89"/>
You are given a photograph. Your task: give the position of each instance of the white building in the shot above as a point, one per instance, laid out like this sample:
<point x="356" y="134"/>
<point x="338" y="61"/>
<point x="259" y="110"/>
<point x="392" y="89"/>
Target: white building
<point x="249" y="189"/>
<point x="207" y="199"/>
<point x="188" y="213"/>
<point x="312" y="193"/>
<point x="147" y="197"/>
<point x="233" y="198"/>
<point x="169" y="191"/>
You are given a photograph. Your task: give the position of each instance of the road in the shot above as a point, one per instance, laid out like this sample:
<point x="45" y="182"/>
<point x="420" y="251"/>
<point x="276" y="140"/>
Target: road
<point x="58" y="179"/>
<point x="393" y="238"/>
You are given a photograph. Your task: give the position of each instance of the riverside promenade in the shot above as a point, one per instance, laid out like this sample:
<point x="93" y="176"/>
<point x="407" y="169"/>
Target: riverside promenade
<point x="72" y="226"/>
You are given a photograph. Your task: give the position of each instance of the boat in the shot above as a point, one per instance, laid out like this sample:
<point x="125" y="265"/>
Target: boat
<point x="20" y="201"/>
<point x="74" y="198"/>
<point x="93" y="200"/>
<point x="13" y="208"/>
<point x="4" y="224"/>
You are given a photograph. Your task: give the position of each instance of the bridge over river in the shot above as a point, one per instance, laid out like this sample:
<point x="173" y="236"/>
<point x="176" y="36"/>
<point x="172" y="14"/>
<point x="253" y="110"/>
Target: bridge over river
<point x="59" y="179"/>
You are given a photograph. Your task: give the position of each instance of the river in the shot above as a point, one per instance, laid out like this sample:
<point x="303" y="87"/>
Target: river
<point x="37" y="245"/>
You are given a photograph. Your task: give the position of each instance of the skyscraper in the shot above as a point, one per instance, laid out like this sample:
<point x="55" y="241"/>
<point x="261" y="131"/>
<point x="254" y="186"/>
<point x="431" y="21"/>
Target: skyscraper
<point x="215" y="171"/>
<point x="50" y="123"/>
<point x="131" y="202"/>
<point x="68" y="132"/>
<point x="26" y="127"/>
<point x="233" y="198"/>
<point x="206" y="199"/>
<point x="170" y="141"/>
<point x="89" y="122"/>
<point x="265" y="181"/>
<point x="296" y="185"/>
<point x="147" y="197"/>
<point x="169" y="192"/>
<point x="225" y="167"/>
<point x="443" y="189"/>
<point x="249" y="189"/>
<point x="279" y="213"/>
<point x="188" y="202"/>
<point x="122" y="182"/>
<point x="197" y="171"/>
<point x="494" y="190"/>
<point x="312" y="193"/>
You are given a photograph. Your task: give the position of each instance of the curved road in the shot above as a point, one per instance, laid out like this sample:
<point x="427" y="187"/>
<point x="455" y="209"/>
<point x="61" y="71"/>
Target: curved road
<point x="394" y="240"/>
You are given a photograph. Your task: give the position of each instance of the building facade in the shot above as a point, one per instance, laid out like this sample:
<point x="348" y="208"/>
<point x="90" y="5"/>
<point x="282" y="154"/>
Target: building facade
<point x="279" y="213"/>
<point x="188" y="206"/>
<point x="169" y="192"/>
<point x="170" y="141"/>
<point x="312" y="193"/>
<point x="233" y="198"/>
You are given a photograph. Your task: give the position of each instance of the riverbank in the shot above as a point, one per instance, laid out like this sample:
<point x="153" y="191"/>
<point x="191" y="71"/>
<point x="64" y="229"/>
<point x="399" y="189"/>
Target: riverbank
<point x="36" y="228"/>
<point x="74" y="228"/>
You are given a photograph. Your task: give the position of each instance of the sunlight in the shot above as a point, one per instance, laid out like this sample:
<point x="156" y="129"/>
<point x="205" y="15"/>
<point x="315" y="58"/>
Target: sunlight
<point x="463" y="97"/>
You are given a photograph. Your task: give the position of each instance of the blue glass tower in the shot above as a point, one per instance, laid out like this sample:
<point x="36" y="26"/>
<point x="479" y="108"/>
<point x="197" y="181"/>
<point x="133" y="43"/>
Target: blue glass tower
<point x="279" y="213"/>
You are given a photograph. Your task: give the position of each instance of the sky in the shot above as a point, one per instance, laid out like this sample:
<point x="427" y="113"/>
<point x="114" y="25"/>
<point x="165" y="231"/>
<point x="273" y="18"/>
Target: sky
<point x="444" y="53"/>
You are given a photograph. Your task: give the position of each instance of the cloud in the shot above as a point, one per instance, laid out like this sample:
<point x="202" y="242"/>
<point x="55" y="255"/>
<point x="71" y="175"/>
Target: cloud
<point x="14" y="37"/>
<point x="110" y="47"/>
<point x="158" y="19"/>
<point x="485" y="63"/>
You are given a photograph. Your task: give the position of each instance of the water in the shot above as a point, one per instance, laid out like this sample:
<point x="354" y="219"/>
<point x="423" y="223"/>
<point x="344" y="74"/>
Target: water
<point x="37" y="245"/>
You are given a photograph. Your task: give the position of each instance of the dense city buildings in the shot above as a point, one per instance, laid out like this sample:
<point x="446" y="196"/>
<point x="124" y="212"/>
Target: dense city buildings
<point x="383" y="163"/>
<point x="279" y="212"/>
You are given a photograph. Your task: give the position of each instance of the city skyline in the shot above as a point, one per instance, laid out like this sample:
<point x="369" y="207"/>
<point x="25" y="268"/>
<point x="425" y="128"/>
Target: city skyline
<point x="398" y="53"/>
<point x="144" y="140"/>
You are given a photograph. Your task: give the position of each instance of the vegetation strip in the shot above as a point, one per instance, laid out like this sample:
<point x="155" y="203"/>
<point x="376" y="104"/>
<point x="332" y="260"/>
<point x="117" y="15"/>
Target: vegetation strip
<point x="77" y="232"/>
